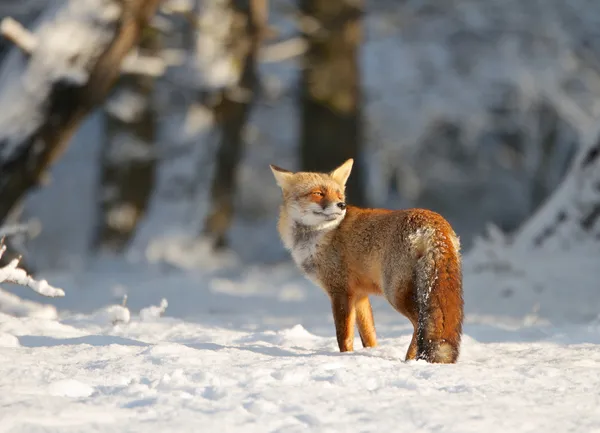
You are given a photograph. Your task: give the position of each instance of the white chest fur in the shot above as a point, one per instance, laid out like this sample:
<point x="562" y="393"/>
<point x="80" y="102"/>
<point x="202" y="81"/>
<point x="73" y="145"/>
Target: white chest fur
<point x="304" y="252"/>
<point x="305" y="249"/>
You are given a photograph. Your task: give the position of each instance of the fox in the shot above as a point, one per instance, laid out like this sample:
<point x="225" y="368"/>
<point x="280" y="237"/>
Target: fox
<point x="409" y="256"/>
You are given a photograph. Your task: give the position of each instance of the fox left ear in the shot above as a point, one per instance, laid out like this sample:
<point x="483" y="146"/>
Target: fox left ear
<point x="342" y="173"/>
<point x="282" y="176"/>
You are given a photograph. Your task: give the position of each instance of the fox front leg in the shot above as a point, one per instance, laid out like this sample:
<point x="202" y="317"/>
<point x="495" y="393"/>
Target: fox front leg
<point x="344" y="317"/>
<point x="364" y="319"/>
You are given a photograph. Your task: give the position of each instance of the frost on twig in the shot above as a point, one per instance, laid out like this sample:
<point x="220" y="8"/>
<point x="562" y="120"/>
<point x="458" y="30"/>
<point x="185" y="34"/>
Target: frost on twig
<point x="114" y="314"/>
<point x="11" y="273"/>
<point x="153" y="311"/>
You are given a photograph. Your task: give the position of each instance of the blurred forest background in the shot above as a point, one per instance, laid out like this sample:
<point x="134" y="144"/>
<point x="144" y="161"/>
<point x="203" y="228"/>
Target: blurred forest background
<point x="478" y="109"/>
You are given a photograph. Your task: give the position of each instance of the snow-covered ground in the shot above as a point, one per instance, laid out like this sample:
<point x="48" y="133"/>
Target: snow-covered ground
<point x="252" y="350"/>
<point x="175" y="376"/>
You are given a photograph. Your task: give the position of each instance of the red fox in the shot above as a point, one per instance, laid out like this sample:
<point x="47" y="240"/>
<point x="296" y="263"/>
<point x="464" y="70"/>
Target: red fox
<point x="412" y="257"/>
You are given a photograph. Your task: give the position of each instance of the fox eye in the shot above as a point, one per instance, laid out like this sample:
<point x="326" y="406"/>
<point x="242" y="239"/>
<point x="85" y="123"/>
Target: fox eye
<point x="318" y="193"/>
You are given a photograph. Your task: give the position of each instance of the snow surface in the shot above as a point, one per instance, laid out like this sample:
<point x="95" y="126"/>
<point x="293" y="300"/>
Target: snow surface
<point x="253" y="350"/>
<point x="179" y="376"/>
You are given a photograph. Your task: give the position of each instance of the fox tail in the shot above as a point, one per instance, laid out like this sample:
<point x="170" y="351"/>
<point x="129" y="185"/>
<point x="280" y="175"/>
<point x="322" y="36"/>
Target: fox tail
<point x="438" y="281"/>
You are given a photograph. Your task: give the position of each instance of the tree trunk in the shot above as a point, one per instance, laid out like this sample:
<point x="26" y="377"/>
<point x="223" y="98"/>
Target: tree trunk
<point x="128" y="156"/>
<point x="71" y="83"/>
<point x="331" y="129"/>
<point x="231" y="115"/>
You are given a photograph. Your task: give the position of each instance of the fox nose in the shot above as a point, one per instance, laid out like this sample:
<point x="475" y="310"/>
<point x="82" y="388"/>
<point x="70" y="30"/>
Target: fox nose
<point x="341" y="205"/>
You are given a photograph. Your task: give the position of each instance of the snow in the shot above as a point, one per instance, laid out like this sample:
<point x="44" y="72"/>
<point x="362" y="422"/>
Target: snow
<point x="70" y="388"/>
<point x="113" y="315"/>
<point x="254" y="350"/>
<point x="176" y="375"/>
<point x="8" y="340"/>
<point x="136" y="63"/>
<point x="15" y="306"/>
<point x="126" y="105"/>
<point x="575" y="198"/>
<point x="11" y="273"/>
<point x="214" y="61"/>
<point x="154" y="311"/>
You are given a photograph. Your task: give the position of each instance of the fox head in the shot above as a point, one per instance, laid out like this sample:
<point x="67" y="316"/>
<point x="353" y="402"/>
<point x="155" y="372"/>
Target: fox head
<point x="312" y="199"/>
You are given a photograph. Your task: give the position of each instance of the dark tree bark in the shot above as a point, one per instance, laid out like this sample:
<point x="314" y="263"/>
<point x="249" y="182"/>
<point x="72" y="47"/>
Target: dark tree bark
<point x="231" y="115"/>
<point x="128" y="156"/>
<point x="25" y="158"/>
<point x="331" y="129"/>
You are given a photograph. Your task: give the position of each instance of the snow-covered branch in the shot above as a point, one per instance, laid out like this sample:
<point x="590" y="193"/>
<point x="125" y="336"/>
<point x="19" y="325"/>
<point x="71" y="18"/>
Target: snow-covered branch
<point x="177" y="7"/>
<point x="284" y="50"/>
<point x="14" y="229"/>
<point x="77" y="58"/>
<point x="136" y="63"/>
<point x="18" y="35"/>
<point x="11" y="273"/>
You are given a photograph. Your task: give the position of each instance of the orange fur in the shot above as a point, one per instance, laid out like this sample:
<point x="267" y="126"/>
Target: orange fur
<point x="409" y="256"/>
<point x="364" y="319"/>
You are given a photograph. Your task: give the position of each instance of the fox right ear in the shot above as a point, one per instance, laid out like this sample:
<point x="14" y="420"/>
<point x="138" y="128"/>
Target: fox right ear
<point x="342" y="173"/>
<point x="282" y="176"/>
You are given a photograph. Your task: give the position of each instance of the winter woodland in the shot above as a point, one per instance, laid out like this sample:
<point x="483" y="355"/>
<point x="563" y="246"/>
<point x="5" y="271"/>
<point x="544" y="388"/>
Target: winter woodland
<point x="143" y="285"/>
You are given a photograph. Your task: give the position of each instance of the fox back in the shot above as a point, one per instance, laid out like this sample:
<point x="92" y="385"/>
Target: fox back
<point x="409" y="256"/>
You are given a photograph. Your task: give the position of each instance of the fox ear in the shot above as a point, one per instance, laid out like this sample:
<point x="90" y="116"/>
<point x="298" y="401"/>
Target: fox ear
<point x="282" y="176"/>
<point x="342" y="173"/>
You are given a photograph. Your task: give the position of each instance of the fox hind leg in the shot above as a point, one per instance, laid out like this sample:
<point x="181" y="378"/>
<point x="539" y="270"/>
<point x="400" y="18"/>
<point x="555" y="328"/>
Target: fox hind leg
<point x="411" y="353"/>
<point x="404" y="300"/>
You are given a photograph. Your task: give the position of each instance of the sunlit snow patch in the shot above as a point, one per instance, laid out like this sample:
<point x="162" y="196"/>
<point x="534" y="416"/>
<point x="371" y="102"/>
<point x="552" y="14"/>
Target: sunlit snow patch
<point x="70" y="388"/>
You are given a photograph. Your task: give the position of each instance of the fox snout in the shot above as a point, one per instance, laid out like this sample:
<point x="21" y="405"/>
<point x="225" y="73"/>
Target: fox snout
<point x="334" y="206"/>
<point x="326" y="203"/>
<point x="322" y="209"/>
<point x="330" y="205"/>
